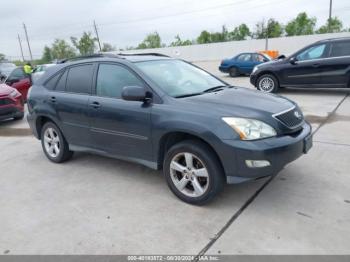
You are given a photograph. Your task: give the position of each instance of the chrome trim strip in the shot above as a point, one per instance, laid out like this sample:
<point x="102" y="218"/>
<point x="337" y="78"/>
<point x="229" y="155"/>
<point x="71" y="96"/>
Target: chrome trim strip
<point x="115" y="133"/>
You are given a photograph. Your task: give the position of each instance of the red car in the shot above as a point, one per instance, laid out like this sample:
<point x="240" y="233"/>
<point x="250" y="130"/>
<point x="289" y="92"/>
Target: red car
<point x="20" y="80"/>
<point x="11" y="103"/>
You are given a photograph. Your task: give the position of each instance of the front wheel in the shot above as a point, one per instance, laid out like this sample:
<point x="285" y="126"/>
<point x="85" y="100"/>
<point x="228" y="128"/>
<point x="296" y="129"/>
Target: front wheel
<point x="193" y="172"/>
<point x="54" y="144"/>
<point x="267" y="83"/>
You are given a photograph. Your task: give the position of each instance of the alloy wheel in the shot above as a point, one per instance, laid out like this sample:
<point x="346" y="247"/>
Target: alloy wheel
<point x="189" y="174"/>
<point x="266" y="84"/>
<point x="52" y="142"/>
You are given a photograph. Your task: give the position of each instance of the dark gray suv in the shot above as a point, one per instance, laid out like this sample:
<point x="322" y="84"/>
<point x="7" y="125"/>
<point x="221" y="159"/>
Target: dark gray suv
<point x="166" y="113"/>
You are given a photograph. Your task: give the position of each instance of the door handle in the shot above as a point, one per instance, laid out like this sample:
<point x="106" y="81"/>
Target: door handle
<point x="95" y="105"/>
<point x="315" y="65"/>
<point x="53" y="99"/>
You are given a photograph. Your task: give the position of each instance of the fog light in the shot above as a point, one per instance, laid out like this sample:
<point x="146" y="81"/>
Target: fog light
<point x="257" y="163"/>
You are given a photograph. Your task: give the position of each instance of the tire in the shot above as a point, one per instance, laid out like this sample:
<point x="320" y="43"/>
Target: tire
<point x="19" y="117"/>
<point x="267" y="83"/>
<point x="233" y="72"/>
<point x="185" y="184"/>
<point x="50" y="136"/>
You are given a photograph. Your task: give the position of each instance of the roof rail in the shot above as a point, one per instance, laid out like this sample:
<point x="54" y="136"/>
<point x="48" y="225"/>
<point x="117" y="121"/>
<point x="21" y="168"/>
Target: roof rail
<point x="77" y="58"/>
<point x="154" y="54"/>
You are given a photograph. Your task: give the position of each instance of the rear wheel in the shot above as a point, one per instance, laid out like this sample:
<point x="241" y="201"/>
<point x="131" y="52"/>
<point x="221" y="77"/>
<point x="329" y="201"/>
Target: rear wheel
<point x="54" y="144"/>
<point x="233" y="72"/>
<point x="267" y="83"/>
<point x="193" y="172"/>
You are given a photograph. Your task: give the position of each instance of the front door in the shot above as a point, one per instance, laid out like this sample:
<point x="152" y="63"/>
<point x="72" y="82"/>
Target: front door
<point x="305" y="71"/>
<point x="118" y="126"/>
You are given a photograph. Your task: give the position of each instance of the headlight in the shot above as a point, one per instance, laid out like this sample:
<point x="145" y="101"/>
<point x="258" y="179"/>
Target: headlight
<point x="254" y="69"/>
<point x="13" y="94"/>
<point x="250" y="129"/>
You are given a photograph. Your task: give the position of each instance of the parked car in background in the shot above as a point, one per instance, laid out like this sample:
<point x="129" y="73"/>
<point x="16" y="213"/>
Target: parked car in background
<point x="325" y="63"/>
<point x="166" y="114"/>
<point x="243" y="63"/>
<point x="11" y="103"/>
<point x="39" y="70"/>
<point x="20" y="80"/>
<point x="5" y="70"/>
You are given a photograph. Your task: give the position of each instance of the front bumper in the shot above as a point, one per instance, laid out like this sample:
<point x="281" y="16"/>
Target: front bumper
<point x="279" y="151"/>
<point x="10" y="112"/>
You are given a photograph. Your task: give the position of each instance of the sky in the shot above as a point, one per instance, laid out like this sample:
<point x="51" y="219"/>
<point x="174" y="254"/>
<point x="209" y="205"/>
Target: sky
<point x="126" y="23"/>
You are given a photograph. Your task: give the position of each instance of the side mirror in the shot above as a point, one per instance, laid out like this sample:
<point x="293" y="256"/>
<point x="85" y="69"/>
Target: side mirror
<point x="281" y="57"/>
<point x="265" y="60"/>
<point x="135" y="93"/>
<point x="293" y="60"/>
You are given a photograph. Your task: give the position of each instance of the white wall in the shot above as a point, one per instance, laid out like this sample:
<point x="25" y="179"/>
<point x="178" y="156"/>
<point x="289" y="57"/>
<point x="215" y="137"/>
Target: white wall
<point x="218" y="51"/>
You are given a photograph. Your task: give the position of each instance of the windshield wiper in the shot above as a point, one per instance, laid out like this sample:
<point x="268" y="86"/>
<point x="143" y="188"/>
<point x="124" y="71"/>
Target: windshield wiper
<point x="215" y="88"/>
<point x="187" y="95"/>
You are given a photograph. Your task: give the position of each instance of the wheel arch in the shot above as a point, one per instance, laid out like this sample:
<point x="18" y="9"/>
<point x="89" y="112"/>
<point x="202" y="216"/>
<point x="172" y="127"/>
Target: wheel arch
<point x="171" y="138"/>
<point x="41" y="121"/>
<point x="267" y="72"/>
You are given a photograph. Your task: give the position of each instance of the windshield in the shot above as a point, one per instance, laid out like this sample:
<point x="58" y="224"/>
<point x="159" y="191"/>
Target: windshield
<point x="178" y="78"/>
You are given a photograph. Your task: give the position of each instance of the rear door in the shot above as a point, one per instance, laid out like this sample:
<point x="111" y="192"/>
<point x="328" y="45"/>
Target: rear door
<point x="335" y="69"/>
<point x="70" y="102"/>
<point x="306" y="71"/>
<point x="117" y="126"/>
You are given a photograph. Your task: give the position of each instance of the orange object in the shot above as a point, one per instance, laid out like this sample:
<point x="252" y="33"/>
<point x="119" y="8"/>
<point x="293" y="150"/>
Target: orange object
<point x="272" y="53"/>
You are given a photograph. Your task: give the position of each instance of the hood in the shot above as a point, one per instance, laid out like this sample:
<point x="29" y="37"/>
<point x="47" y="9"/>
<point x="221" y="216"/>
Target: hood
<point x="5" y="89"/>
<point x="241" y="102"/>
<point x="272" y="63"/>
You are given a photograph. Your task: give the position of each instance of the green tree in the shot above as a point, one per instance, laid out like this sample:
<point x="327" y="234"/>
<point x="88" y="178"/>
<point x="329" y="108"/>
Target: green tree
<point x="179" y="42"/>
<point x="107" y="47"/>
<point x="47" y="55"/>
<point x="301" y="25"/>
<point x="86" y="44"/>
<point x="204" y="37"/>
<point x="240" y="32"/>
<point x="273" y="29"/>
<point x="2" y="57"/>
<point x="333" y="25"/>
<point x="61" y="49"/>
<point x="152" y="40"/>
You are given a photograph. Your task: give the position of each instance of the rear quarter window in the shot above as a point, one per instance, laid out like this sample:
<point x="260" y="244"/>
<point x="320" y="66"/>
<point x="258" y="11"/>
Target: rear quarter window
<point x="51" y="83"/>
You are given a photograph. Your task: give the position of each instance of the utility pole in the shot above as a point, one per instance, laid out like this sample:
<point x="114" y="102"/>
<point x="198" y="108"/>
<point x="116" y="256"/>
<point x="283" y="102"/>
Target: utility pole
<point x="98" y="38"/>
<point x="266" y="36"/>
<point x="20" y="46"/>
<point x="330" y="16"/>
<point x="30" y="51"/>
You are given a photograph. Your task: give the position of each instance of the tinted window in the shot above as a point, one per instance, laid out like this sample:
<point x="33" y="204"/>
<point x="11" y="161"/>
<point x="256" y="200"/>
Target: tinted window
<point x="258" y="58"/>
<point x="340" y="49"/>
<point x="112" y="78"/>
<point x="244" y="57"/>
<point x="61" y="85"/>
<point x="79" y="79"/>
<point x="313" y="52"/>
<point x="52" y="82"/>
<point x="18" y="73"/>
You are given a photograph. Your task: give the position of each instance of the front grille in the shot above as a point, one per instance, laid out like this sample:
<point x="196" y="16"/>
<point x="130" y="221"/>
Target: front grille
<point x="6" y="101"/>
<point x="291" y="118"/>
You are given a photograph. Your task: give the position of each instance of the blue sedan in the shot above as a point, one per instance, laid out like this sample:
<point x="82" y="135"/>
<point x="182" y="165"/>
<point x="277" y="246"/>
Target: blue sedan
<point x="242" y="63"/>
